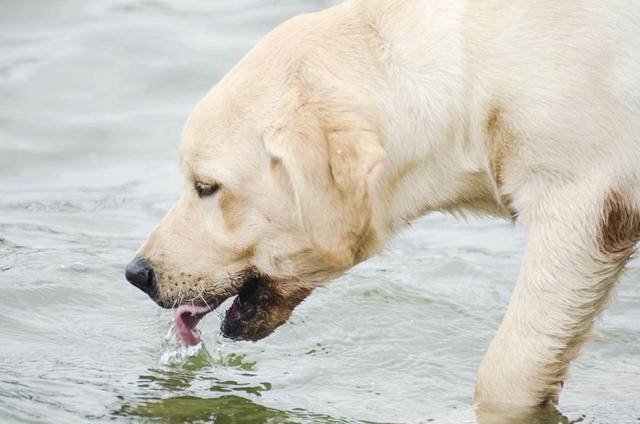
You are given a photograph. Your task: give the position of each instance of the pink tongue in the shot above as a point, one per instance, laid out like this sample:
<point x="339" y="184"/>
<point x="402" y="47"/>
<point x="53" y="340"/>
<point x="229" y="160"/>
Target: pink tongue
<point x="186" y="319"/>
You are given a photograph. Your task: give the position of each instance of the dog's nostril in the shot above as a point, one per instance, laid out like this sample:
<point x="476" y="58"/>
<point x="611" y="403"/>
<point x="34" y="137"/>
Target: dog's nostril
<point x="140" y="273"/>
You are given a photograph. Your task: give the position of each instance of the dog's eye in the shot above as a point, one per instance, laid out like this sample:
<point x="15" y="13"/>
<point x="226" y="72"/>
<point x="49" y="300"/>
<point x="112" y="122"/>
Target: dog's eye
<point x="206" y="190"/>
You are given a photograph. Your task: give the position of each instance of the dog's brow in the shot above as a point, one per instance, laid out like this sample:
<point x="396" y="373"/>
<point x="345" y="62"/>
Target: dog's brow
<point x="191" y="173"/>
<point x="202" y="177"/>
<point x="185" y="167"/>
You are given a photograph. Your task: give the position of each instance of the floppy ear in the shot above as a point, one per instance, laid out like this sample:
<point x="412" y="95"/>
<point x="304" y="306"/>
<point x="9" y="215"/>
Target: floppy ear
<point x="332" y="174"/>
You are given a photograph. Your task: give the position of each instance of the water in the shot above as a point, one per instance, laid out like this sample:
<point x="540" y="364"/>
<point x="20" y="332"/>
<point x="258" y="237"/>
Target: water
<point x="93" y="98"/>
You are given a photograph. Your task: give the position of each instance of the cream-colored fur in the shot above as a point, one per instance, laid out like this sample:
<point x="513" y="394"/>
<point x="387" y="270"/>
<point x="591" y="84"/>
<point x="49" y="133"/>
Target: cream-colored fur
<point x="342" y="126"/>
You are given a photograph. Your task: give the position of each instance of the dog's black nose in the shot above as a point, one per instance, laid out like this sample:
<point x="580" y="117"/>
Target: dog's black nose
<point x="140" y="273"/>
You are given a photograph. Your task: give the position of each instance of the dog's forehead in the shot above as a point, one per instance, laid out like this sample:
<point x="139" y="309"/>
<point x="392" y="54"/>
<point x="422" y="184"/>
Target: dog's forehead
<point x="218" y="140"/>
<point x="228" y="125"/>
<point x="202" y="140"/>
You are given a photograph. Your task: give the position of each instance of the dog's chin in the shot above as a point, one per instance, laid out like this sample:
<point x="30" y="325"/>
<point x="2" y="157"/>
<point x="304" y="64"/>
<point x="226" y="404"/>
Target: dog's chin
<point x="260" y="307"/>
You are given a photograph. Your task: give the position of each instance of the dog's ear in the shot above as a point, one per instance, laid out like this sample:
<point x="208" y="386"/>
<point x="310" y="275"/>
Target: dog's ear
<point x="332" y="172"/>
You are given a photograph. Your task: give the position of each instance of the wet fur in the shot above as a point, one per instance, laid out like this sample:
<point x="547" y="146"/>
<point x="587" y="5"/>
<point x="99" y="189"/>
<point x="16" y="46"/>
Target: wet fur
<point x="342" y="126"/>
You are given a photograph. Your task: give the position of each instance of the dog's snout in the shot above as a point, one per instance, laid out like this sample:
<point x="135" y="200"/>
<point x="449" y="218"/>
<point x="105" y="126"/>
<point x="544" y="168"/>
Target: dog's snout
<point x="140" y="273"/>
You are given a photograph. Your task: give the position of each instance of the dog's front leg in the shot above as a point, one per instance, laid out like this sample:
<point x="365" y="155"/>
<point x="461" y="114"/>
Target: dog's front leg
<point x="577" y="245"/>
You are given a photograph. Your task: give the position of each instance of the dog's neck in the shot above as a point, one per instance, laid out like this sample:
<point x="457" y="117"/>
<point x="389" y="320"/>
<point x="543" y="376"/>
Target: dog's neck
<point x="438" y="155"/>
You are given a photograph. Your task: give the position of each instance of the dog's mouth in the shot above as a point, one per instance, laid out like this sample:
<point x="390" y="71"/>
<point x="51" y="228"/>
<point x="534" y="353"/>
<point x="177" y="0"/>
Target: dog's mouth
<point x="186" y="318"/>
<point x="243" y="310"/>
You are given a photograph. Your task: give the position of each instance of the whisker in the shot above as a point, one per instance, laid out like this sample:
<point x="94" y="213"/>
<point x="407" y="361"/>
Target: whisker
<point x="205" y="301"/>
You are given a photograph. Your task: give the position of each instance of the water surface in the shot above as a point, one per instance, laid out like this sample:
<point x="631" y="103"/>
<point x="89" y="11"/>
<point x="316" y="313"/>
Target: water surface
<point x="93" y="96"/>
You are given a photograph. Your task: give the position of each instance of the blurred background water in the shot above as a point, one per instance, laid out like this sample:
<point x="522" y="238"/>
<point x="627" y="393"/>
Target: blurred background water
<point x="93" y="96"/>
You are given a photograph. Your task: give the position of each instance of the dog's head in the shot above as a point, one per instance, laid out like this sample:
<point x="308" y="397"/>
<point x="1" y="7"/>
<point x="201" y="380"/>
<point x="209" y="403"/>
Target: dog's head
<point x="279" y="171"/>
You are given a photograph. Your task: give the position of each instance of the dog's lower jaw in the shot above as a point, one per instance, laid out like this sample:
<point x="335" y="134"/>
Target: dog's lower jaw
<point x="261" y="306"/>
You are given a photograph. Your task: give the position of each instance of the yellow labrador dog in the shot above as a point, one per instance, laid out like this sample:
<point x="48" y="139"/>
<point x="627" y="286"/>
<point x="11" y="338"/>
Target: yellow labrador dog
<point x="342" y="126"/>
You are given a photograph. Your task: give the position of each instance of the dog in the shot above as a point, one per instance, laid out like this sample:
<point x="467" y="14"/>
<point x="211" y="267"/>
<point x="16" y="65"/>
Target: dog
<point x="342" y="126"/>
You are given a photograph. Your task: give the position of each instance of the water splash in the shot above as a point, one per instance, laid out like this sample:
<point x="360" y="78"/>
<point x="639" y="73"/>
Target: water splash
<point x="174" y="353"/>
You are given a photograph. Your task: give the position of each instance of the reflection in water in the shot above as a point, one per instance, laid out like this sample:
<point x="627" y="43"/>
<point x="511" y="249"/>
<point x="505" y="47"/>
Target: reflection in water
<point x="228" y="408"/>
<point x="237" y="409"/>
<point x="197" y="364"/>
<point x="502" y="414"/>
<point x="225" y="409"/>
<point x="510" y="414"/>
<point x="236" y="400"/>
<point x="195" y="368"/>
